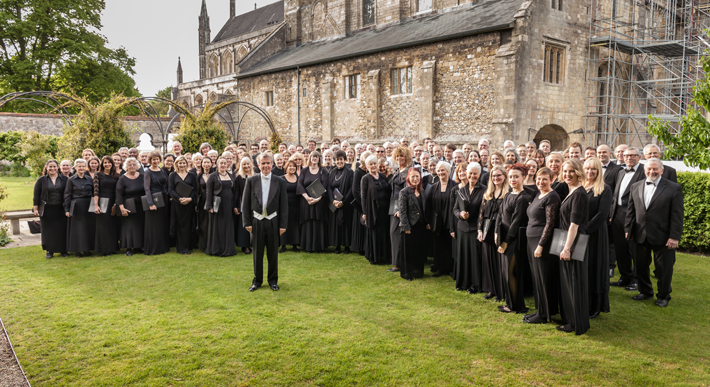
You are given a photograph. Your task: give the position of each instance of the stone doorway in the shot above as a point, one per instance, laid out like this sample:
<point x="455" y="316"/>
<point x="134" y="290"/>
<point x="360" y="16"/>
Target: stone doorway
<point x="557" y="135"/>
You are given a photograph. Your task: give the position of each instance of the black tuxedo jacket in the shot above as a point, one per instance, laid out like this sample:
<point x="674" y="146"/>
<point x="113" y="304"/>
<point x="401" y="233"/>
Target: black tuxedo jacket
<point x="277" y="200"/>
<point x="639" y="175"/>
<point x="612" y="170"/>
<point x="670" y="174"/>
<point x="662" y="219"/>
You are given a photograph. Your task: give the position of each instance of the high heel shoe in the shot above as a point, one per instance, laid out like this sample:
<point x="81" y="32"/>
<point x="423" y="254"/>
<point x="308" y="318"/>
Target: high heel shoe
<point x="488" y="296"/>
<point x="296" y="249"/>
<point x="282" y="249"/>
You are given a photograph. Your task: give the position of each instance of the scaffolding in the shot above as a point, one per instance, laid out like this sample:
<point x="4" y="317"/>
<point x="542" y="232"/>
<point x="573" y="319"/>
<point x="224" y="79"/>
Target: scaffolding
<point x="644" y="58"/>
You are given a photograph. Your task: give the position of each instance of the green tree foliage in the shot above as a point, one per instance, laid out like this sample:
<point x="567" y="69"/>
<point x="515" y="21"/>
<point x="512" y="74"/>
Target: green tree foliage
<point x="8" y="147"/>
<point x="162" y="107"/>
<point x="97" y="126"/>
<point x="696" y="197"/>
<point x="37" y="148"/>
<point x="692" y="141"/>
<point x="201" y="127"/>
<point x="55" y="45"/>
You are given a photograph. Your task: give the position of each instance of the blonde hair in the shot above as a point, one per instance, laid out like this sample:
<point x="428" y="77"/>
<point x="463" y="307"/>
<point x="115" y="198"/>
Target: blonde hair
<point x="182" y="158"/>
<point x="490" y="191"/>
<point x="598" y="186"/>
<point x="578" y="169"/>
<point x="461" y="167"/>
<point x="241" y="170"/>
<point x="556" y="155"/>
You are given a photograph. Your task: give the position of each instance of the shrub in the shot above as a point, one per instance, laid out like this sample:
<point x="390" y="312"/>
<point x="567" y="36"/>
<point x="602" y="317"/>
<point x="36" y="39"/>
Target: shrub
<point x="4" y="236"/>
<point x="18" y="170"/>
<point x="8" y="149"/>
<point x="192" y="135"/>
<point x="696" y="197"/>
<point x="37" y="149"/>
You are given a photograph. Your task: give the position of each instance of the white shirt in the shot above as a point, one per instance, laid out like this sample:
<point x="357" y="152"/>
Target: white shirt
<point x="265" y="185"/>
<point x="604" y="168"/>
<point x="648" y="190"/>
<point x="625" y="182"/>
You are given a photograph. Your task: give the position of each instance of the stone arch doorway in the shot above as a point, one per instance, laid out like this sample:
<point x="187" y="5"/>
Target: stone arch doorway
<point x="556" y="134"/>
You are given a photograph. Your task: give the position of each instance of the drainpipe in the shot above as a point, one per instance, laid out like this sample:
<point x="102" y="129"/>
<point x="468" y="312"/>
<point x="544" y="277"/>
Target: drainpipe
<point x="298" y="97"/>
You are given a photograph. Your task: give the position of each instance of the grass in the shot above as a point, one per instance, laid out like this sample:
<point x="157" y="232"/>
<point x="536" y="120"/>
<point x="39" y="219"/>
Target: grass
<point x="20" y="191"/>
<point x="176" y="320"/>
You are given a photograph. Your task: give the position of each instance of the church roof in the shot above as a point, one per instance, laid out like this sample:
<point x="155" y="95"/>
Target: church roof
<point x="251" y="21"/>
<point x="485" y="16"/>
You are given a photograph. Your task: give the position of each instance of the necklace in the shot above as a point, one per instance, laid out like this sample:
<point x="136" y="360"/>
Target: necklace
<point x="341" y="174"/>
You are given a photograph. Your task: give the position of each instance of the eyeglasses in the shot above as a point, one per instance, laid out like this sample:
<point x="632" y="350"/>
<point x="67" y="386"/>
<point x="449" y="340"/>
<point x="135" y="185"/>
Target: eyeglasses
<point x="497" y="176"/>
<point x="380" y="151"/>
<point x="631" y="155"/>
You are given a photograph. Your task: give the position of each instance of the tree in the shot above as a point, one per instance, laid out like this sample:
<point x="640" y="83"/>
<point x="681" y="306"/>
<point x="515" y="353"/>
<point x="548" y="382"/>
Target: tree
<point x="692" y="140"/>
<point x="162" y="107"/>
<point x="55" y="45"/>
<point x="201" y="127"/>
<point x="37" y="148"/>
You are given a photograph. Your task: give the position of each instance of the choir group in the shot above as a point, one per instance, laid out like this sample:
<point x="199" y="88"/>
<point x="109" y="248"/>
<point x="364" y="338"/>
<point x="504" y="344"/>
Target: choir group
<point x="524" y="221"/>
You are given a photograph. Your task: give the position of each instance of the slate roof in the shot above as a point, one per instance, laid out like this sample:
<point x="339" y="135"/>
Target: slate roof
<point x="251" y="21"/>
<point x="485" y="16"/>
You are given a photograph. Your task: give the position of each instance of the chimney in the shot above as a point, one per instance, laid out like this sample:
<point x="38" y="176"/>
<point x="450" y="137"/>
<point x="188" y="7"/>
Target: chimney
<point x="232" y="9"/>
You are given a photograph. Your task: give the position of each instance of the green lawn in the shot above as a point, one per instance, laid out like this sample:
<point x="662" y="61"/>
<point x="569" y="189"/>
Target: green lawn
<point x="177" y="320"/>
<point x="19" y="190"/>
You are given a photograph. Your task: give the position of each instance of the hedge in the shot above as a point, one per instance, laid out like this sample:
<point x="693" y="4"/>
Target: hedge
<point x="696" y="224"/>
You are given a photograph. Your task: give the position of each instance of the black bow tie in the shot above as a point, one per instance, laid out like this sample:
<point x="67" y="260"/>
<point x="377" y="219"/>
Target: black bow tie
<point x="649" y="183"/>
<point x="630" y="170"/>
<point x="604" y="166"/>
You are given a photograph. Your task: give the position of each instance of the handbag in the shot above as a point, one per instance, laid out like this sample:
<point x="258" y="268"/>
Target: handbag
<point x="579" y="247"/>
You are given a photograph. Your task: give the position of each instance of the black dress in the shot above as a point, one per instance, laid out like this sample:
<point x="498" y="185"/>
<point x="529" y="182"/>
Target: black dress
<point x="511" y="220"/>
<point x="598" y="250"/>
<point x="292" y="236"/>
<point x="182" y="216"/>
<point x="468" y="262"/>
<point x="132" y="226"/>
<point x="561" y="188"/>
<point x="82" y="224"/>
<point x="543" y="216"/>
<point x="398" y="181"/>
<point x="53" y="220"/>
<point x="574" y="284"/>
<point x="157" y="222"/>
<point x="375" y="198"/>
<point x="242" y="237"/>
<point x="440" y="205"/>
<point x="492" y="278"/>
<point x="313" y="218"/>
<point x="340" y="222"/>
<point x="359" y="230"/>
<point x="220" y="229"/>
<point x="107" y="225"/>
<point x="414" y="244"/>
<point x="202" y="214"/>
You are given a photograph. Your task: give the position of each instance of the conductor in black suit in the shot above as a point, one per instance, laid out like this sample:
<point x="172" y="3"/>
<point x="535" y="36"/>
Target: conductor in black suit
<point x="265" y="216"/>
<point x="625" y="250"/>
<point x="654" y="220"/>
<point x="651" y="151"/>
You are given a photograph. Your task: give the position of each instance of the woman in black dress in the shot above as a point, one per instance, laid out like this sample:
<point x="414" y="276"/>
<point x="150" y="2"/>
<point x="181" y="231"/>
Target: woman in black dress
<point x="529" y="181"/>
<point x="292" y="236"/>
<point x="242" y="236"/>
<point x="511" y="250"/>
<point x="220" y="231"/>
<point x="107" y="224"/>
<point x="197" y="164"/>
<point x="300" y="164"/>
<point x="182" y="215"/>
<point x="118" y="163"/>
<point x="340" y="221"/>
<point x="497" y="190"/>
<point x="359" y="229"/>
<point x="574" y="285"/>
<point x="543" y="214"/>
<point x="599" y="197"/>
<point x="314" y="211"/>
<point x="414" y="228"/>
<point x="554" y="162"/>
<point x="403" y="160"/>
<point x="157" y="220"/>
<point x="375" y="197"/>
<point x="278" y="169"/>
<point x="202" y="212"/>
<point x="439" y="207"/>
<point x="169" y="164"/>
<point x="467" y="206"/>
<point x="93" y="166"/>
<point x="130" y="188"/>
<point x="47" y="204"/>
<point x="81" y="224"/>
<point x="328" y="161"/>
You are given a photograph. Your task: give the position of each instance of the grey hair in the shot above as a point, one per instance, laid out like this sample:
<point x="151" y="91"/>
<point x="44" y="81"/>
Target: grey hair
<point x="79" y="161"/>
<point x="632" y="149"/>
<point x="531" y="143"/>
<point x="517" y="156"/>
<point x="481" y="141"/>
<point x="651" y="146"/>
<point x="473" y="166"/>
<point x="459" y="151"/>
<point x="128" y="160"/>
<point x="212" y="152"/>
<point x="225" y="153"/>
<point x="655" y="160"/>
<point x="444" y="164"/>
<point x="371" y="159"/>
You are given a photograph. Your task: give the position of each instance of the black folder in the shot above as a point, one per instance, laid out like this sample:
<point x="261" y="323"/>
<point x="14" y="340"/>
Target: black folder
<point x="130" y="205"/>
<point x="579" y="247"/>
<point x="215" y="204"/>
<point x="337" y="196"/>
<point x="183" y="189"/>
<point x="71" y="207"/>
<point x="103" y="205"/>
<point x="315" y="189"/>
<point x="463" y="204"/>
<point x="40" y="208"/>
<point x="157" y="200"/>
<point x="394" y="206"/>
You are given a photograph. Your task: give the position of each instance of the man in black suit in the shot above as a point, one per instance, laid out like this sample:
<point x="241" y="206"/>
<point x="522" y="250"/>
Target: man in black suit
<point x="651" y="151"/>
<point x="610" y="171"/>
<point x="625" y="250"/>
<point x="654" y="220"/>
<point x="265" y="216"/>
<point x="619" y="152"/>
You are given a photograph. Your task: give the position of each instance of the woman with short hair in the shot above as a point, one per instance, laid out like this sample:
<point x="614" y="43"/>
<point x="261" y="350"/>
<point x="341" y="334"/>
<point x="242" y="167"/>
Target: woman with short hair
<point x="340" y="221"/>
<point x="77" y="198"/>
<point x="292" y="236"/>
<point x="157" y="219"/>
<point x="375" y="194"/>
<point x="107" y="225"/>
<point x="182" y="214"/>
<point x="466" y="209"/>
<point x="314" y="211"/>
<point x="220" y="229"/>
<point x="130" y="188"/>
<point x="47" y="204"/>
<point x="440" y="206"/>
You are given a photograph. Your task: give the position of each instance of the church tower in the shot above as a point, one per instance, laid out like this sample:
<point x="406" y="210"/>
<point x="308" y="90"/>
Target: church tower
<point x="179" y="72"/>
<point x="204" y="37"/>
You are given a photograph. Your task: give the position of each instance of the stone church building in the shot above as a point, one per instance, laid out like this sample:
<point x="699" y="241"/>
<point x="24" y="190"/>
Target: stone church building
<point x="371" y="70"/>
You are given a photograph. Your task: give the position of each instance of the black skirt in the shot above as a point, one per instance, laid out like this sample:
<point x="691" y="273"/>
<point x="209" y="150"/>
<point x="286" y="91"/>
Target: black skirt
<point x="574" y="295"/>
<point x="313" y="235"/>
<point x="340" y="227"/>
<point x="492" y="280"/>
<point x="107" y="232"/>
<point x="511" y="267"/>
<point x="54" y="229"/>
<point x="396" y="238"/>
<point x="414" y="251"/>
<point x="82" y="228"/>
<point x="182" y="225"/>
<point x="377" y="244"/>
<point x="202" y="224"/>
<point x="443" y="257"/>
<point x="598" y="258"/>
<point x="359" y="233"/>
<point x="133" y="229"/>
<point x="546" y="280"/>
<point x="468" y="262"/>
<point x="292" y="236"/>
<point x="156" y="239"/>
<point x="220" y="229"/>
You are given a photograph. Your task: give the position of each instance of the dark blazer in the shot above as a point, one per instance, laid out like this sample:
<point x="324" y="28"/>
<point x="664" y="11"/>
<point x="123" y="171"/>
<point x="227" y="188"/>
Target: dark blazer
<point x="612" y="171"/>
<point x="662" y="219"/>
<point x="670" y="174"/>
<point x="473" y="206"/>
<point x="639" y="175"/>
<point x="277" y="200"/>
<point x="214" y="187"/>
<point x="409" y="210"/>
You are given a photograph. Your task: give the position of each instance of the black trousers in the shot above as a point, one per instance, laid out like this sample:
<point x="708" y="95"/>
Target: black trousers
<point x="624" y="249"/>
<point x="663" y="259"/>
<point x="265" y="235"/>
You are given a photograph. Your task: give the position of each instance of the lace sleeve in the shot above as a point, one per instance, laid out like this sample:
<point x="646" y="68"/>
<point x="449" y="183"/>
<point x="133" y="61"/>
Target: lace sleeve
<point x="96" y="184"/>
<point x="479" y="226"/>
<point x="552" y="211"/>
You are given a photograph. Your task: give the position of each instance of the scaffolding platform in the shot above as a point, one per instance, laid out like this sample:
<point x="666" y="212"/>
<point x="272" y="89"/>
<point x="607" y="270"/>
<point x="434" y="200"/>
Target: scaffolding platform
<point x="669" y="49"/>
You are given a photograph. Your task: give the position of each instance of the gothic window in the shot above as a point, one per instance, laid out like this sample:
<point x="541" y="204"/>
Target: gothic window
<point x="554" y="64"/>
<point x="227" y="63"/>
<point x="401" y="81"/>
<point x="424" y="5"/>
<point x="198" y="99"/>
<point x="557" y="4"/>
<point x="213" y="66"/>
<point x="269" y="98"/>
<point x="368" y="12"/>
<point x="352" y="86"/>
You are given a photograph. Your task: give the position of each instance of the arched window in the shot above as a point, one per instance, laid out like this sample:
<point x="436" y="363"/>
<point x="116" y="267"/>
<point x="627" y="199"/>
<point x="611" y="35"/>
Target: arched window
<point x="199" y="100"/>
<point x="213" y="66"/>
<point x="227" y="62"/>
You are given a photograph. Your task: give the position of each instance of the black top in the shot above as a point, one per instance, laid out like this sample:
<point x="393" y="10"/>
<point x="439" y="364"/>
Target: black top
<point x="358" y="174"/>
<point x="77" y="188"/>
<point x="105" y="185"/>
<point x="291" y="194"/>
<point x="342" y="179"/>
<point x="398" y="181"/>
<point x="439" y="207"/>
<point x="278" y="171"/>
<point x="375" y="196"/>
<point x="512" y="216"/>
<point x="129" y="188"/>
<point x="599" y="208"/>
<point x="48" y="192"/>
<point x="490" y="209"/>
<point x="543" y="216"/>
<point x="190" y="179"/>
<point x="154" y="182"/>
<point x="318" y="211"/>
<point x="561" y="188"/>
<point x="472" y="201"/>
<point x="574" y="210"/>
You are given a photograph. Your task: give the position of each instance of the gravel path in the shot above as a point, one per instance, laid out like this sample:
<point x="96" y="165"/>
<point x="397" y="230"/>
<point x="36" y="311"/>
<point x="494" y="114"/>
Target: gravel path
<point x="10" y="372"/>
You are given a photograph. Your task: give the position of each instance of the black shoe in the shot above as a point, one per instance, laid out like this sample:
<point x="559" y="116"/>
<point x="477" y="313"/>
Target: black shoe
<point x="347" y="250"/>
<point x="595" y="315"/>
<point x="337" y="251"/>
<point x="253" y="287"/>
<point x="498" y="299"/>
<point x="472" y="290"/>
<point x="129" y="252"/>
<point x="106" y="254"/>
<point x="632" y="287"/>
<point x="282" y="249"/>
<point x="662" y="302"/>
<point x="78" y="255"/>
<point x="642" y="297"/>
<point x="393" y="269"/>
<point x="488" y="296"/>
<point x="459" y="290"/>
<point x="565" y="328"/>
<point x="437" y="274"/>
<point x="505" y="309"/>
<point x="534" y="320"/>
<point x="65" y="254"/>
<point x="274" y="287"/>
<point x="433" y="268"/>
<point x="531" y="315"/>
<point x="296" y="249"/>
<point x="619" y="283"/>
<point x="49" y="255"/>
